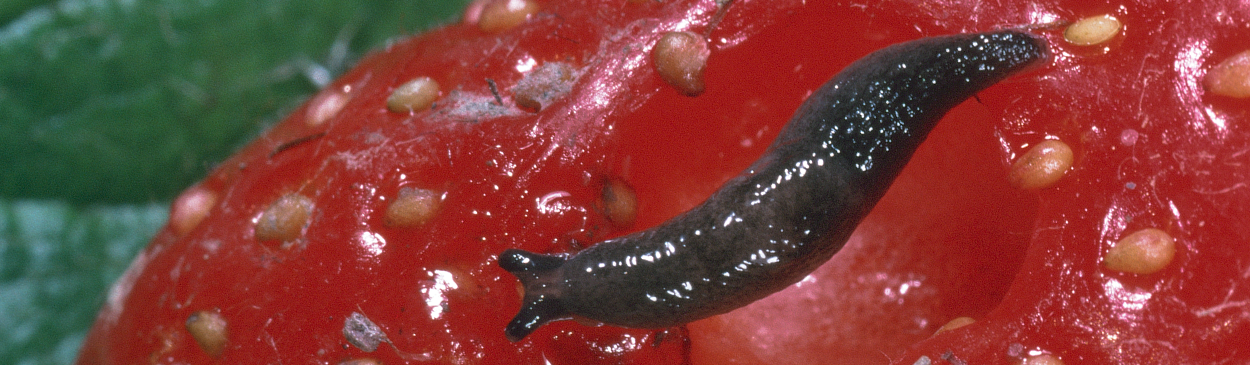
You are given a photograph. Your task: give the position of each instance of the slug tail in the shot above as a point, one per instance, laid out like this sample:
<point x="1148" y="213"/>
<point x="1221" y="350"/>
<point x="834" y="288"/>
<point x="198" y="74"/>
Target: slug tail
<point x="539" y="275"/>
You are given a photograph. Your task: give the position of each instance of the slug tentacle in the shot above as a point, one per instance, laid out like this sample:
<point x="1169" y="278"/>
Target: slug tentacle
<point x="791" y="210"/>
<point x="539" y="275"/>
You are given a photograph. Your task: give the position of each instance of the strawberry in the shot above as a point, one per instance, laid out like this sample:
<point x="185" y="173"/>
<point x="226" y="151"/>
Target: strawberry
<point x="1088" y="212"/>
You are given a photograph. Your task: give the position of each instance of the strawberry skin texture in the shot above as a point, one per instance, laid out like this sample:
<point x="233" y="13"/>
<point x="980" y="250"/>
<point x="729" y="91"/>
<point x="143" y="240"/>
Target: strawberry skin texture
<point x="1153" y="150"/>
<point x="513" y="177"/>
<point x="1158" y="151"/>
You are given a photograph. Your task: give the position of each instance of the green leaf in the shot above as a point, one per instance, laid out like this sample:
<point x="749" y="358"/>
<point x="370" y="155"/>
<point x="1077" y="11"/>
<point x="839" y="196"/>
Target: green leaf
<point x="56" y="264"/>
<point x="11" y="9"/>
<point x="132" y="100"/>
<point x="108" y="108"/>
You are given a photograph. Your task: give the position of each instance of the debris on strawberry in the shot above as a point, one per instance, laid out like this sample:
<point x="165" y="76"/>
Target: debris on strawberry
<point x="364" y="230"/>
<point x="362" y="333"/>
<point x="544" y="84"/>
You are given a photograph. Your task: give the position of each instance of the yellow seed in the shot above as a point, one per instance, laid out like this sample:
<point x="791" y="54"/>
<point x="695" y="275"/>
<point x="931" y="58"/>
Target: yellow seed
<point x="1044" y="359"/>
<point x="679" y="59"/>
<point x="325" y="106"/>
<point x="1231" y="77"/>
<point x="955" y="323"/>
<point x="1144" y="252"/>
<point x="362" y="361"/>
<point x="1092" y="30"/>
<point x="284" y="219"/>
<point x="191" y="207"/>
<point x="1041" y="166"/>
<point x="413" y="207"/>
<point x="209" y="330"/>
<point x="501" y="15"/>
<point x="620" y="203"/>
<point x="413" y="96"/>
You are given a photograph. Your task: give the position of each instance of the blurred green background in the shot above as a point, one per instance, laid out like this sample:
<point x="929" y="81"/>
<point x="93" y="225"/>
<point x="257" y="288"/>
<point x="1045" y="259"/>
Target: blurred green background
<point x="108" y="108"/>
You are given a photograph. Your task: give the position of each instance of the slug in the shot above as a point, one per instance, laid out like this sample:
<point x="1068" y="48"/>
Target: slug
<point x="791" y="210"/>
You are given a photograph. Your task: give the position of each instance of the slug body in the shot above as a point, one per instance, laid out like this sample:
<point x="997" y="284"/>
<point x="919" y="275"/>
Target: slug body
<point x="791" y="210"/>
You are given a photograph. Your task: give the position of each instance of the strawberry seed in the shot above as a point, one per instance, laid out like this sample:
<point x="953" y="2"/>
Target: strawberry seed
<point x="284" y="219"/>
<point x="191" y="207"/>
<point x="413" y="207"/>
<point x="680" y="58"/>
<point x="1144" y="252"/>
<point x="501" y="15"/>
<point x="1092" y="30"/>
<point x="413" y="96"/>
<point x="1231" y="77"/>
<point x="1041" y="166"/>
<point x="209" y="330"/>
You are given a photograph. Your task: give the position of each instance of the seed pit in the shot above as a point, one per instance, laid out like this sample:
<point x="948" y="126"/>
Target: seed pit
<point x="679" y="59"/>
<point x="501" y="15"/>
<point x="1041" y="166"/>
<point x="209" y="330"/>
<point x="190" y="208"/>
<point x="284" y="219"/>
<point x="413" y="96"/>
<point x="1144" y="252"/>
<point x="413" y="207"/>
<point x="1230" y="77"/>
<point x="1092" y="30"/>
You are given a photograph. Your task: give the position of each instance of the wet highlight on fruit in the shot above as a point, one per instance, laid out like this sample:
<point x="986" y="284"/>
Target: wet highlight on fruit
<point x="791" y="210"/>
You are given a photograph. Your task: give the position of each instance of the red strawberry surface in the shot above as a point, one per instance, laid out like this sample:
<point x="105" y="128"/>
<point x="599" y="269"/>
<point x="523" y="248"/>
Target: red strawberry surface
<point x="367" y="229"/>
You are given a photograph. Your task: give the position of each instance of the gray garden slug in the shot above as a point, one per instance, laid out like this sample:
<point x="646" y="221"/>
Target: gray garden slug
<point x="791" y="210"/>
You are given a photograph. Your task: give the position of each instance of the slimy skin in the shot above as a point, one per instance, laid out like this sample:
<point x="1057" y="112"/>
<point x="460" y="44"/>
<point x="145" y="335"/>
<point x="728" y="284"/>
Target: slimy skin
<point x="789" y="212"/>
